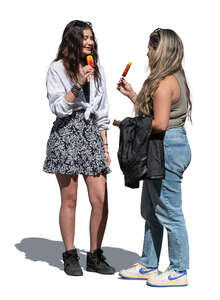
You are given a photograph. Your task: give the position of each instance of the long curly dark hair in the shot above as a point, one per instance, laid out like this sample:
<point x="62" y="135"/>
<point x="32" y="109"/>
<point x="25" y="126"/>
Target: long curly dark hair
<point x="70" y="50"/>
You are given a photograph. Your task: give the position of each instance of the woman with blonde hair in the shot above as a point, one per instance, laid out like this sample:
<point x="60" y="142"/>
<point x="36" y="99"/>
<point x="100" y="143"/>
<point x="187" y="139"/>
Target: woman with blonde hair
<point x="166" y="97"/>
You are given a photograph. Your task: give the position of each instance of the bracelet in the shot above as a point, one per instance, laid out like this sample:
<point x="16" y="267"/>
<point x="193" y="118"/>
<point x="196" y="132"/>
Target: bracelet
<point x="75" y="89"/>
<point x="105" y="144"/>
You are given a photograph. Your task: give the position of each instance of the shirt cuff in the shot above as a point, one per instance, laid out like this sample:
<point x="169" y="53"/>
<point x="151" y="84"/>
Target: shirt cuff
<point x="67" y="104"/>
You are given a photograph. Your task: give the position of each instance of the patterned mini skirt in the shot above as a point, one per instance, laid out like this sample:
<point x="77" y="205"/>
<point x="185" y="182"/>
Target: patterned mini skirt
<point x="75" y="147"/>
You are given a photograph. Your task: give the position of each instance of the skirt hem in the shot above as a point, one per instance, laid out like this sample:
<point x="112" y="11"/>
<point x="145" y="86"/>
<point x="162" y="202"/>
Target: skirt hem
<point x="103" y="172"/>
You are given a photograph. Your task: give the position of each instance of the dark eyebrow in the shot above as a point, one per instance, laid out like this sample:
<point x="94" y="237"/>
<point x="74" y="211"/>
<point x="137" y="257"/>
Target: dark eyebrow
<point x="86" y="35"/>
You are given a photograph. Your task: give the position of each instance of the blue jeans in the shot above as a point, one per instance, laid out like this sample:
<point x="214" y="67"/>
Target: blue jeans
<point x="161" y="205"/>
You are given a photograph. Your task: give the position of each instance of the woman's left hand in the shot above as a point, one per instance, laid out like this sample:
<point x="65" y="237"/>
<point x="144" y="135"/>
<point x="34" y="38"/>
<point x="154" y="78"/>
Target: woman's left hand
<point x="107" y="156"/>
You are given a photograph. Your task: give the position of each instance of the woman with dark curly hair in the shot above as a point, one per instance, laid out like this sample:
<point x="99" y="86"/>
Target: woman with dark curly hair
<point x="166" y="97"/>
<point x="78" y="140"/>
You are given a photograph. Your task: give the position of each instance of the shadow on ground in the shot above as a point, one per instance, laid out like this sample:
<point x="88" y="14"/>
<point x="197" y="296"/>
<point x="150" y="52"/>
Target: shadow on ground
<point x="44" y="250"/>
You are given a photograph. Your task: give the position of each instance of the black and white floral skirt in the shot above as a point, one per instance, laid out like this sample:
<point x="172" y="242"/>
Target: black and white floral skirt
<point x="75" y="147"/>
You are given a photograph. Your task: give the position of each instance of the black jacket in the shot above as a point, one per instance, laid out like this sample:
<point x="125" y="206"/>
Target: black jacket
<point x="140" y="153"/>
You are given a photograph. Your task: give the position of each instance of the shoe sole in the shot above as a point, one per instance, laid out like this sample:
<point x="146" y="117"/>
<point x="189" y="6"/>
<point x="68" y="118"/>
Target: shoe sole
<point x="132" y="278"/>
<point x="136" y="278"/>
<point x="73" y="274"/>
<point x="177" y="285"/>
<point x="95" y="271"/>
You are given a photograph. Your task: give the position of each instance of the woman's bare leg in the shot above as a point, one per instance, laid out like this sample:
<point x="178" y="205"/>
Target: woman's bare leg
<point x="97" y="191"/>
<point x="68" y="189"/>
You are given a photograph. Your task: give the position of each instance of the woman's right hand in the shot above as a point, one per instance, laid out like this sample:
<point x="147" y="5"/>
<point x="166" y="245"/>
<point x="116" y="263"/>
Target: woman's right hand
<point x="84" y="74"/>
<point x="126" y="89"/>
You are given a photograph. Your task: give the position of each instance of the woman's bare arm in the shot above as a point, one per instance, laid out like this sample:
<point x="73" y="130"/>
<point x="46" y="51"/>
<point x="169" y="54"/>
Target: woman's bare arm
<point x="162" y="101"/>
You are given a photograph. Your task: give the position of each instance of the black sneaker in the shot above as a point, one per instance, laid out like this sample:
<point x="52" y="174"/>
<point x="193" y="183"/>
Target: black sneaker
<point x="96" y="262"/>
<point x="71" y="263"/>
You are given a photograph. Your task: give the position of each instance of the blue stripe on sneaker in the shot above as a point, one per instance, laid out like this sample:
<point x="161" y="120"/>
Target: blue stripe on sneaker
<point x="142" y="271"/>
<point x="181" y="275"/>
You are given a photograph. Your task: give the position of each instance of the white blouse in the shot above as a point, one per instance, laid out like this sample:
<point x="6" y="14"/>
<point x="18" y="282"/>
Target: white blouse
<point x="59" y="84"/>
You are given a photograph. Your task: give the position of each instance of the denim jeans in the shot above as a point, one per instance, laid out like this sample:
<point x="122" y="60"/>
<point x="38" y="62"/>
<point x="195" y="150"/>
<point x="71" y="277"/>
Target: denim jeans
<point x="161" y="205"/>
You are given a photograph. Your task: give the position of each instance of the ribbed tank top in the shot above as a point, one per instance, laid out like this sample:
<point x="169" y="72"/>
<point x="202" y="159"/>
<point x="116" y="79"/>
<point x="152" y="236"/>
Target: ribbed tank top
<point x="178" y="110"/>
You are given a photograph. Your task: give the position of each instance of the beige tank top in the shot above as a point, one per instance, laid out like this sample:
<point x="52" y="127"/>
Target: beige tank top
<point x="178" y="110"/>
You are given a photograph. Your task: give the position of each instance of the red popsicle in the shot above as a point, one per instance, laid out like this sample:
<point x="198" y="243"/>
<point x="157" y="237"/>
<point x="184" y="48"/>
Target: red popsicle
<point x="126" y="69"/>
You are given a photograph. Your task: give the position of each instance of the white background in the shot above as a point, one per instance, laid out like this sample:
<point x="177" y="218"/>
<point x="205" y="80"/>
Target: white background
<point x="30" y="239"/>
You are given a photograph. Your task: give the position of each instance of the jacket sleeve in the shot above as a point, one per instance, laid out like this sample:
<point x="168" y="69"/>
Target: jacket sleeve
<point x="102" y="113"/>
<point x="55" y="94"/>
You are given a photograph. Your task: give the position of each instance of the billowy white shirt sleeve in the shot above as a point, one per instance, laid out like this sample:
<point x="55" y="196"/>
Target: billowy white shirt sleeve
<point x="56" y="91"/>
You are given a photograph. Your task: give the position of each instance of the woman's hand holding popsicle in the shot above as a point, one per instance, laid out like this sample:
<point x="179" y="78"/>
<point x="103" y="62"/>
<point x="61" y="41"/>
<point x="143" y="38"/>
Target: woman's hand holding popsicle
<point x="84" y="74"/>
<point x="86" y="71"/>
<point x="126" y="89"/>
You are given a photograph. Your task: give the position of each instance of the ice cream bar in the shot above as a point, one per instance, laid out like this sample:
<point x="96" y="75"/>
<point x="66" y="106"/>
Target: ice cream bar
<point x="90" y="61"/>
<point x="126" y="69"/>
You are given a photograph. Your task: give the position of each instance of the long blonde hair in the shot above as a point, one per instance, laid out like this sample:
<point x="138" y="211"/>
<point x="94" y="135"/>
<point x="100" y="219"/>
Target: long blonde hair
<point x="166" y="60"/>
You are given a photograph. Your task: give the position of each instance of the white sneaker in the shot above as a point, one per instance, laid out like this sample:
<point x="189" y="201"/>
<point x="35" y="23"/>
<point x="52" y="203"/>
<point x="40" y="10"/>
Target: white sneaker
<point x="138" y="271"/>
<point x="169" y="278"/>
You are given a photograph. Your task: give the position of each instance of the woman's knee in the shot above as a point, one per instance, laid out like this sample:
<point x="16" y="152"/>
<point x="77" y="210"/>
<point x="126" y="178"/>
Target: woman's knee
<point x="99" y="203"/>
<point x="69" y="200"/>
<point x="170" y="219"/>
